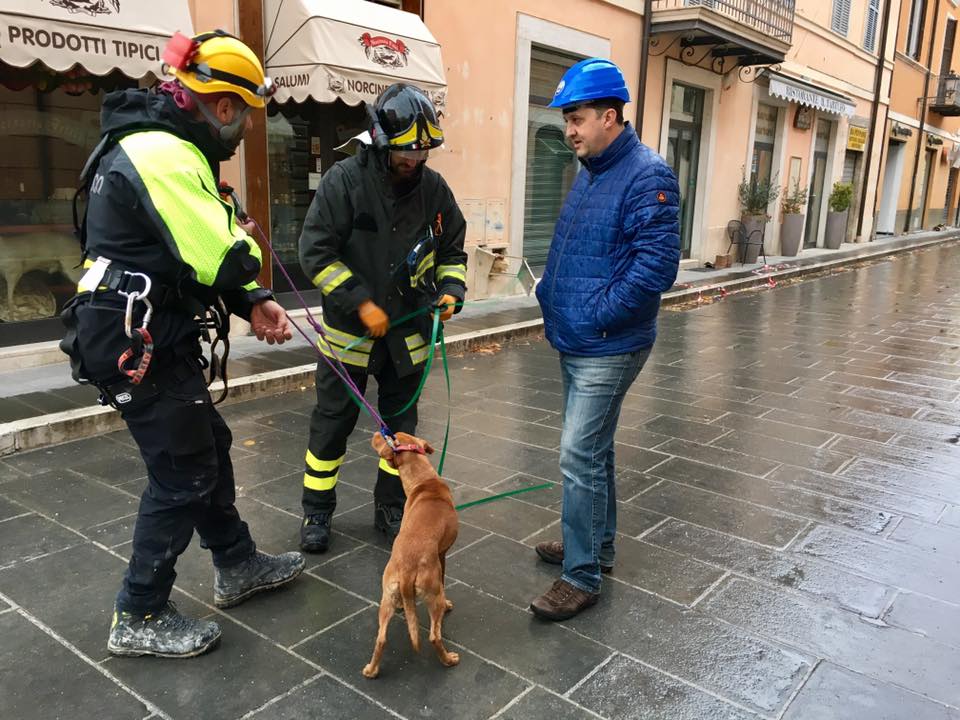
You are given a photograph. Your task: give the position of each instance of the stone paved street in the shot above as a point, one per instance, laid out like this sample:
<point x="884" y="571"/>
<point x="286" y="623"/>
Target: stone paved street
<point x="789" y="516"/>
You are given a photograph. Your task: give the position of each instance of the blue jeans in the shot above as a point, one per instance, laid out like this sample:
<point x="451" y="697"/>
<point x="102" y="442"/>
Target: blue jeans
<point x="593" y="392"/>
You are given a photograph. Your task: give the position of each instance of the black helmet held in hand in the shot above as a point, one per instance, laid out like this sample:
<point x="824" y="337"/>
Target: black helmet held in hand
<point x="403" y="118"/>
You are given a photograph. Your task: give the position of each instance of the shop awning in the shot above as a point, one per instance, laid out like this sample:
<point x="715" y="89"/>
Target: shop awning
<point x="348" y="49"/>
<point x="99" y="35"/>
<point x="803" y="93"/>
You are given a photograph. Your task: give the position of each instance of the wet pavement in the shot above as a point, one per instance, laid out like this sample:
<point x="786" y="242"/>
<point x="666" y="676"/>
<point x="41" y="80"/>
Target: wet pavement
<point x="789" y="515"/>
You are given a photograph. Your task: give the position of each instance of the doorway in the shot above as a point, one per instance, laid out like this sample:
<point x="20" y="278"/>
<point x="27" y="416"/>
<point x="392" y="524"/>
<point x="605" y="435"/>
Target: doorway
<point x="892" y="176"/>
<point x="818" y="176"/>
<point x="683" y="153"/>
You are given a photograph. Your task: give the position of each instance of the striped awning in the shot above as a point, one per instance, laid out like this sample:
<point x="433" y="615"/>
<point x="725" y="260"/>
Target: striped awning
<point x="804" y="93"/>
<point x="99" y="36"/>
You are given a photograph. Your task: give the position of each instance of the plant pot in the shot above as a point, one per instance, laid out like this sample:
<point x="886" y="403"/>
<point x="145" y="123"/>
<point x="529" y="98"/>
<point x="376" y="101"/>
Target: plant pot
<point x="791" y="233"/>
<point x="752" y="223"/>
<point x="836" y="230"/>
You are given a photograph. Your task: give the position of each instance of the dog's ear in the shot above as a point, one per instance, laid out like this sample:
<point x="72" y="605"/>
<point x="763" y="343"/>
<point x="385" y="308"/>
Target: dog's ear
<point x="428" y="448"/>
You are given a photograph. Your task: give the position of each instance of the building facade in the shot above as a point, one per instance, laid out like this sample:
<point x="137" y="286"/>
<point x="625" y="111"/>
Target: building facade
<point x="801" y="94"/>
<point x="919" y="185"/>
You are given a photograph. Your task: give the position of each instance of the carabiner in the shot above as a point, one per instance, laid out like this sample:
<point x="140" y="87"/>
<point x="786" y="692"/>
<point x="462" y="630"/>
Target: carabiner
<point x="132" y="297"/>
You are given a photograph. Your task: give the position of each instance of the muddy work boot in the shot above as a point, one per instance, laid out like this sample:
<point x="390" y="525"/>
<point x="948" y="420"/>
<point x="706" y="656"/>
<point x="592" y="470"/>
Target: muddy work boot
<point x="165" y="633"/>
<point x="552" y="552"/>
<point x="315" y="533"/>
<point x="562" y="601"/>
<point x="387" y="519"/>
<point x="233" y="585"/>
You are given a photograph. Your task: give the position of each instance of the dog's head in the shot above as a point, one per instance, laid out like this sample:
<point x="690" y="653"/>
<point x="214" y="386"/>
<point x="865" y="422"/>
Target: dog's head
<point x="386" y="452"/>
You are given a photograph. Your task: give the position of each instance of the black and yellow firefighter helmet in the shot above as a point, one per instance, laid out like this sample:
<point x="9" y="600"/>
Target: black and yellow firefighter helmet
<point x="407" y="119"/>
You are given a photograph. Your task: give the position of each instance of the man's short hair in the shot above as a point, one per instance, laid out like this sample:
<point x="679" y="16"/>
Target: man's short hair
<point x="601" y="106"/>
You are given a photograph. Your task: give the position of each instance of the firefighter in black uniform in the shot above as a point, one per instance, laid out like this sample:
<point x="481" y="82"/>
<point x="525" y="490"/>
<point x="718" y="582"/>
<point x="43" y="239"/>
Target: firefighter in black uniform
<point x="160" y="247"/>
<point x="382" y="239"/>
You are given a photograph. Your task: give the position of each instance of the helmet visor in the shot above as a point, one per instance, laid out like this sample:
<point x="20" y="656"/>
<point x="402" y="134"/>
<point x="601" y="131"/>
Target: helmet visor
<point x="410" y="155"/>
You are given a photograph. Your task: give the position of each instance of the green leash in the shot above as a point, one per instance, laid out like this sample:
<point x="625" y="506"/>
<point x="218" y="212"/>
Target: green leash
<point x="501" y="496"/>
<point x="436" y="336"/>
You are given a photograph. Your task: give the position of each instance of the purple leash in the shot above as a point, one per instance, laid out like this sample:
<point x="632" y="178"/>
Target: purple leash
<point x="335" y="363"/>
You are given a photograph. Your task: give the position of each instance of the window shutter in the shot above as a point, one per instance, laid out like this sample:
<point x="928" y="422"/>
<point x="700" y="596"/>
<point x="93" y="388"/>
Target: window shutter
<point x="870" y="31"/>
<point x="840" y="22"/>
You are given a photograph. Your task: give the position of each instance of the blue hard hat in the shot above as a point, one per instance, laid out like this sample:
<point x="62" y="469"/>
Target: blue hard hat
<point x="590" y="79"/>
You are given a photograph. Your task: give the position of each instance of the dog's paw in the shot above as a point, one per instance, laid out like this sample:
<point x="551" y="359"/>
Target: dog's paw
<point x="451" y="659"/>
<point x="449" y="606"/>
<point x="369" y="671"/>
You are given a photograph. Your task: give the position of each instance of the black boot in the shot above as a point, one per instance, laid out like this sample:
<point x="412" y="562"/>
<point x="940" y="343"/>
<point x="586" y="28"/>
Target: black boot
<point x="387" y="519"/>
<point x="315" y="533"/>
<point x="165" y="633"/>
<point x="233" y="585"/>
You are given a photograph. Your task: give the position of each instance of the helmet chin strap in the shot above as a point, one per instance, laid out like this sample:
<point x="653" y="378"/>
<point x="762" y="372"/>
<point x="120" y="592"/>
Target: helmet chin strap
<point x="229" y="134"/>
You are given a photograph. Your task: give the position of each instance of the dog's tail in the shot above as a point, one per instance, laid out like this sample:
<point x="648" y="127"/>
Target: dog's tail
<point x="408" y="596"/>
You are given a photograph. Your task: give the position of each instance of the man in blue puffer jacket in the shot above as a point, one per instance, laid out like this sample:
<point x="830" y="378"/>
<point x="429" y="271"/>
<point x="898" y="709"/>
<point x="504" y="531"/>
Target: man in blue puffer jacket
<point x="616" y="247"/>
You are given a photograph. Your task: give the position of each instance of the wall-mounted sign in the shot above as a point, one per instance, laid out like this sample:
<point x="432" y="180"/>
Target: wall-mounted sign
<point x="900" y="131"/>
<point x="856" y="138"/>
<point x="934" y="140"/>
<point x="803" y="119"/>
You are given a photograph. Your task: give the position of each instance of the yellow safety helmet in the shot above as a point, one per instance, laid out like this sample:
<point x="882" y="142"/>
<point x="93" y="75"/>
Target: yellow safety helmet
<point x="217" y="62"/>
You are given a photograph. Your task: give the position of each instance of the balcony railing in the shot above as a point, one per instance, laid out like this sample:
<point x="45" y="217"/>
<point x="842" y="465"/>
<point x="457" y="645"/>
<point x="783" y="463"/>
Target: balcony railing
<point x="773" y="18"/>
<point x="947" y="100"/>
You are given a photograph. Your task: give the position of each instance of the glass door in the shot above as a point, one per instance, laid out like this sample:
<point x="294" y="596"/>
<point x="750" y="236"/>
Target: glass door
<point x="818" y="174"/>
<point x="683" y="153"/>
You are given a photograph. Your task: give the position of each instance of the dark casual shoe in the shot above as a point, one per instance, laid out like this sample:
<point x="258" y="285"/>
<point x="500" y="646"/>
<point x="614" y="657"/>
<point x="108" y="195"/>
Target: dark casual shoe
<point x="259" y="572"/>
<point x="562" y="601"/>
<point x="165" y="633"/>
<point x="387" y="519"/>
<point x="552" y="552"/>
<point x="315" y="533"/>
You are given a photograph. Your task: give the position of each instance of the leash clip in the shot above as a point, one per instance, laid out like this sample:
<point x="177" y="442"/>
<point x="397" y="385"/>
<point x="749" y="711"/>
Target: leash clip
<point x="389" y="437"/>
<point x="132" y="297"/>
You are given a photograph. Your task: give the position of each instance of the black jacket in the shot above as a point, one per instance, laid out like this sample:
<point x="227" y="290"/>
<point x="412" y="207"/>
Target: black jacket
<point x="154" y="207"/>
<point x="364" y="240"/>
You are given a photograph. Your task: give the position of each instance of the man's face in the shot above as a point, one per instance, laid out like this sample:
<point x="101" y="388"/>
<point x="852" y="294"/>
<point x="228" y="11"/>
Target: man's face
<point x="405" y="163"/>
<point x="588" y="130"/>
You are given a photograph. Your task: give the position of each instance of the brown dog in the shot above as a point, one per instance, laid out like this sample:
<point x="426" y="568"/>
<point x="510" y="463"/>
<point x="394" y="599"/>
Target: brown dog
<point x="417" y="563"/>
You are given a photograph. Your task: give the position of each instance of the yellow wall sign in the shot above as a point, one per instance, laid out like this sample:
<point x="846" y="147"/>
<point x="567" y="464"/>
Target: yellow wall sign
<point x="857" y="138"/>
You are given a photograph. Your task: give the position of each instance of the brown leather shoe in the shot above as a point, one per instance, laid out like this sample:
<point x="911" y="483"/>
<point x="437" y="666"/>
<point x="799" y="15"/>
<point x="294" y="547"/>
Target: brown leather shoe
<point x="562" y="601"/>
<point x="552" y="552"/>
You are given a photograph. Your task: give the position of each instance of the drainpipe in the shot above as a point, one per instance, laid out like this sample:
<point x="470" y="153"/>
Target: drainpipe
<point x="644" y="59"/>
<point x="874" y="112"/>
<point x="923" y="116"/>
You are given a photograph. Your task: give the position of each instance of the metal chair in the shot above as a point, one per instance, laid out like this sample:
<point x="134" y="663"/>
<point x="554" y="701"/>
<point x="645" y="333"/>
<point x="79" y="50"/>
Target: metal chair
<point x="737" y="232"/>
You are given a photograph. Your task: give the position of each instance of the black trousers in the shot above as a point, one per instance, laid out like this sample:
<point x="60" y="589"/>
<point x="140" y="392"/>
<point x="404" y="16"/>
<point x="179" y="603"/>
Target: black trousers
<point x="185" y="444"/>
<point x="334" y="418"/>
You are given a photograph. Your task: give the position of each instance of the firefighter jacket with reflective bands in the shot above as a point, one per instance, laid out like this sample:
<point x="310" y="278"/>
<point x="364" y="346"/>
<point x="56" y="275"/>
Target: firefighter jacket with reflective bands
<point x="363" y="239"/>
<point x="153" y="207"/>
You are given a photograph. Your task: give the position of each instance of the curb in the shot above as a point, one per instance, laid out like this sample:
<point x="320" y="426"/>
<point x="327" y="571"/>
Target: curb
<point x="44" y="430"/>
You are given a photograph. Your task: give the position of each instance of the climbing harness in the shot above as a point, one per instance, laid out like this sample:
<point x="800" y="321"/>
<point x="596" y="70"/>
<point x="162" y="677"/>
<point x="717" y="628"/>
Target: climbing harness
<point x="141" y="341"/>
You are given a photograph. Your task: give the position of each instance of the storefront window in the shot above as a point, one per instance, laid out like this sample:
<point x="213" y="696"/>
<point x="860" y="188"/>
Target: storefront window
<point x="301" y="139"/>
<point x="49" y="123"/>
<point x="763" y="142"/>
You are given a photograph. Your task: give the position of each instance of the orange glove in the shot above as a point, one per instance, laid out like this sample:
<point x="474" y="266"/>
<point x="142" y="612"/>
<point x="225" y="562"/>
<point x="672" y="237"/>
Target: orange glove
<point x="374" y="319"/>
<point x="447" y="301"/>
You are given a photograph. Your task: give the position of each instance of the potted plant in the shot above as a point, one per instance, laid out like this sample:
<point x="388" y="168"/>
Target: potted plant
<point x="840" y="199"/>
<point x="791" y="231"/>
<point x="755" y="194"/>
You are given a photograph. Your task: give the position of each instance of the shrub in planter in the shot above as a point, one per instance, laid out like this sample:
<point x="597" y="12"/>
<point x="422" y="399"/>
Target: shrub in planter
<point x="755" y="195"/>
<point x="839" y="202"/>
<point x="791" y="229"/>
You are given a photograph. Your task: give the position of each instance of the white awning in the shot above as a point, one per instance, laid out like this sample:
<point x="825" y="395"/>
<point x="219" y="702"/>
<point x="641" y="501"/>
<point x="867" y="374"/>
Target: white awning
<point x="348" y="49"/>
<point x="803" y="93"/>
<point x="99" y="35"/>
